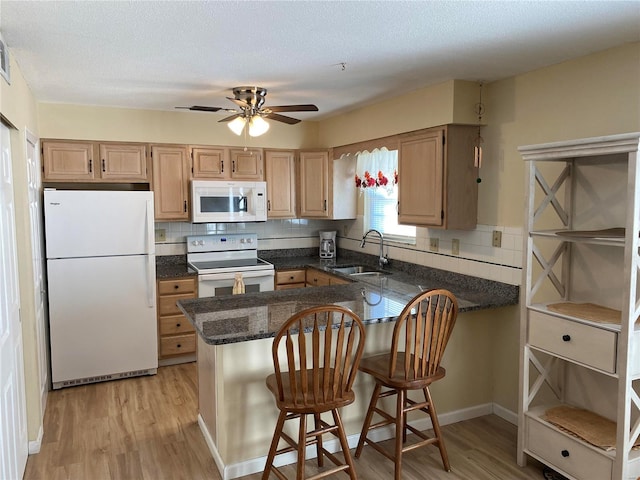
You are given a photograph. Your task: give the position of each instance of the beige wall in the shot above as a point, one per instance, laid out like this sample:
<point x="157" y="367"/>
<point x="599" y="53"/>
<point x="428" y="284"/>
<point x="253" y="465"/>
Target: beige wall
<point x="103" y="123"/>
<point x="19" y="107"/>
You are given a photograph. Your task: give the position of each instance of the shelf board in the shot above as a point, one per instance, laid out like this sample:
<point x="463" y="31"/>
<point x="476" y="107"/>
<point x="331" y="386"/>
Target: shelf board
<point x="614" y="327"/>
<point x="569" y="236"/>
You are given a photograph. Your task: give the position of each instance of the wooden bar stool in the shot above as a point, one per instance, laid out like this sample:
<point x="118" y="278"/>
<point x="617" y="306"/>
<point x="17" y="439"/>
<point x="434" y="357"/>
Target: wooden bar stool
<point x="319" y="378"/>
<point x="419" y="339"/>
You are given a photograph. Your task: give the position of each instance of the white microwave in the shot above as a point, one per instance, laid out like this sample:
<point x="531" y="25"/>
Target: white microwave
<point x="221" y="201"/>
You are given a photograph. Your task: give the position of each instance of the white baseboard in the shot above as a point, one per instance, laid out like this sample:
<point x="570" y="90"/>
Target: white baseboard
<point x="34" y="445"/>
<point x="255" y="465"/>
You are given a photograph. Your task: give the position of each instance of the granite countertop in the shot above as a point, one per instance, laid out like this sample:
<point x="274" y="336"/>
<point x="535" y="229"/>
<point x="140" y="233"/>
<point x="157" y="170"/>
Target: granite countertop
<point x="251" y="316"/>
<point x="173" y="266"/>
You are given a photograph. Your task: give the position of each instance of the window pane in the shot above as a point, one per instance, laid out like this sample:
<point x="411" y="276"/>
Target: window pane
<point x="380" y="213"/>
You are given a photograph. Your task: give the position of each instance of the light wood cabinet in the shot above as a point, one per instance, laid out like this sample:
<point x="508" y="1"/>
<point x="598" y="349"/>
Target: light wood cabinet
<point x="71" y="161"/>
<point x="170" y="182"/>
<point x="280" y="177"/>
<point x="437" y="184"/>
<point x="317" y="278"/>
<point x="223" y="163"/>
<point x="314" y="184"/>
<point x="579" y="334"/>
<point x="210" y="162"/>
<point x="294" y="278"/>
<point x="176" y="335"/>
<point x="326" y="187"/>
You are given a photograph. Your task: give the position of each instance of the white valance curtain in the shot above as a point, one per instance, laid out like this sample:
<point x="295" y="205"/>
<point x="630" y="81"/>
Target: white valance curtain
<point x="378" y="168"/>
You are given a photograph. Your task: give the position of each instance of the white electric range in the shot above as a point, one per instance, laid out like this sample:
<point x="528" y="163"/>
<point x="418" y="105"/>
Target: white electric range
<point x="218" y="257"/>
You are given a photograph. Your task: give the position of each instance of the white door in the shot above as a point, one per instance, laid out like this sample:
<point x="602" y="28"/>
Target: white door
<point x="37" y="255"/>
<point x="13" y="425"/>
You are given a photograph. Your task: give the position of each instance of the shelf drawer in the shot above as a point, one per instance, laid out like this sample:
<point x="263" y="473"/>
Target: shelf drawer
<point x="167" y="304"/>
<point x="290" y="276"/>
<point x="178" y="345"/>
<point x="565" y="453"/>
<point x="178" y="285"/>
<point x="175" y="324"/>
<point x="589" y="345"/>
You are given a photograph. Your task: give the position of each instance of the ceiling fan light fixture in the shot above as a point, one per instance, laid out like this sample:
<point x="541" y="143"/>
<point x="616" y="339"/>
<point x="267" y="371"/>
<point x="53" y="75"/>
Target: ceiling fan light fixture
<point x="257" y="126"/>
<point x="237" y="125"/>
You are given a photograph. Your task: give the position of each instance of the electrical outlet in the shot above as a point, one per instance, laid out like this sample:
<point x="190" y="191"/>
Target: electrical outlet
<point x="455" y="247"/>
<point x="161" y="235"/>
<point x="497" y="238"/>
<point x="433" y="244"/>
<point x="345" y="230"/>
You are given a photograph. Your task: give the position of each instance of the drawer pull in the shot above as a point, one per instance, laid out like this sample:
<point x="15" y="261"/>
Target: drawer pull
<point x="566" y="338"/>
<point x="291" y="277"/>
<point x="176" y="286"/>
<point x="178" y="325"/>
<point x="564" y="453"/>
<point x="179" y="345"/>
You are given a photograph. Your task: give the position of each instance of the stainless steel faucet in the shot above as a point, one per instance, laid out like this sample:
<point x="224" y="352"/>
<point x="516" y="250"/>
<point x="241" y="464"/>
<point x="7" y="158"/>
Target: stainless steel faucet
<point x="382" y="260"/>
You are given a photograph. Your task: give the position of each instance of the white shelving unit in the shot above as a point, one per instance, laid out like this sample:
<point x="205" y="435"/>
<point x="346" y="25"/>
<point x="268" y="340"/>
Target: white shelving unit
<point x="582" y="247"/>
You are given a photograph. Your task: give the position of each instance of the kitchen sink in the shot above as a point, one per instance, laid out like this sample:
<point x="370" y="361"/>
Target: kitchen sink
<point x="360" y="270"/>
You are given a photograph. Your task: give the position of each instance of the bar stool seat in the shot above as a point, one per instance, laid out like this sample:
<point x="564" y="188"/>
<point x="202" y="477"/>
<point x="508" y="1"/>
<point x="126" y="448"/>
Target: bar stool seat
<point x="419" y="339"/>
<point x="318" y="379"/>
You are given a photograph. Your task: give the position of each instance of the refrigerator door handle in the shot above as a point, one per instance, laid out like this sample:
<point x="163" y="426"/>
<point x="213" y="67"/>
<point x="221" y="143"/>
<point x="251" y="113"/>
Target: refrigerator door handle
<point x="150" y="228"/>
<point x="151" y="284"/>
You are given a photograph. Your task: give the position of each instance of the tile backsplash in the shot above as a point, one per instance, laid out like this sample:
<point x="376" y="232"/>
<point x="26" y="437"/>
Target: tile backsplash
<point x="476" y="255"/>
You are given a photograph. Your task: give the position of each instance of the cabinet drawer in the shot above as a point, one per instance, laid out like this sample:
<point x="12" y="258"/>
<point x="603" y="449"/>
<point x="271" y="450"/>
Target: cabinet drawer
<point x="576" y="341"/>
<point x="565" y="453"/>
<point x="179" y="285"/>
<point x="290" y="276"/>
<point x="178" y="345"/>
<point x="175" y="324"/>
<point x="167" y="304"/>
<point x="290" y="285"/>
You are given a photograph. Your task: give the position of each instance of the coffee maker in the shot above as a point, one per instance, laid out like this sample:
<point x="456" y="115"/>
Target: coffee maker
<point x="328" y="244"/>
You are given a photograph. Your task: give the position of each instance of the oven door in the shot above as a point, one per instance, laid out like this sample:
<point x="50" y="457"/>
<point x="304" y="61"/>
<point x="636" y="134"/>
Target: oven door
<point x="215" y="284"/>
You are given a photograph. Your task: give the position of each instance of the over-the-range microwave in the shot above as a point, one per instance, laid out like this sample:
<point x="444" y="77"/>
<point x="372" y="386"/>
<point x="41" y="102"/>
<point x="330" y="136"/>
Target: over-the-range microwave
<point x="221" y="201"/>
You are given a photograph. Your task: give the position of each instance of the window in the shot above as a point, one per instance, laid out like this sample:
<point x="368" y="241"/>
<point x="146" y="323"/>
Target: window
<point x="377" y="170"/>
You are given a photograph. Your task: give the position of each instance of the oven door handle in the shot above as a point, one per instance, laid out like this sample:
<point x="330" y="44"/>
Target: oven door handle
<point x="232" y="275"/>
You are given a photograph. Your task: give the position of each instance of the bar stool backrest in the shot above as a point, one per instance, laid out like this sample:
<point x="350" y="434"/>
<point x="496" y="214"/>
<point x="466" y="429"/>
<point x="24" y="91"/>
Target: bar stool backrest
<point x="321" y="368"/>
<point x="422" y="332"/>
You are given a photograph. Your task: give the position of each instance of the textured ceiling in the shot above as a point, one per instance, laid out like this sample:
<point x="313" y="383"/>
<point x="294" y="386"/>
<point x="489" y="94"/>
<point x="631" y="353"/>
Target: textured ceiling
<point x="161" y="54"/>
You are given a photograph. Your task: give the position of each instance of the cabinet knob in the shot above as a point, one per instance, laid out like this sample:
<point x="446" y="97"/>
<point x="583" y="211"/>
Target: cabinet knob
<point x="564" y="453"/>
<point x="291" y="277"/>
<point x="179" y="345"/>
<point x="566" y="338"/>
<point x="176" y="286"/>
<point x="178" y="324"/>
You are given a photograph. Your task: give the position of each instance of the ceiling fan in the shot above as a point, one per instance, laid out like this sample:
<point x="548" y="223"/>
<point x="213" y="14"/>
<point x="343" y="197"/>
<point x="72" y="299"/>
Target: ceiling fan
<point x="252" y="111"/>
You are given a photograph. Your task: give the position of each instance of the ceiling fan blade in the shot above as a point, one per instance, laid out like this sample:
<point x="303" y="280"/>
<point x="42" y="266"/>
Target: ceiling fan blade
<point x="228" y="119"/>
<point x="199" y="108"/>
<point x="282" y="118"/>
<point x="240" y="103"/>
<point x="294" y="108"/>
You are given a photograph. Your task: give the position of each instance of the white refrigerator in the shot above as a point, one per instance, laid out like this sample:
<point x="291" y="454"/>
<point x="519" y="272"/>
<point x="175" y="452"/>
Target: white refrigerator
<point x="100" y="249"/>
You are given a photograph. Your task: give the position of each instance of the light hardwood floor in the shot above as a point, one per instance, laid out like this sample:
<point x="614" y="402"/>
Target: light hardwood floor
<point x="146" y="428"/>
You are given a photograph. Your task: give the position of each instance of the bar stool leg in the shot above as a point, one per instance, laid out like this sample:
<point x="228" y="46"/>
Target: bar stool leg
<point x="274" y="445"/>
<point x="436" y="430"/>
<point x="367" y="420"/>
<point x="400" y="419"/>
<point x="319" y="454"/>
<point x="345" y="444"/>
<point x="302" y="447"/>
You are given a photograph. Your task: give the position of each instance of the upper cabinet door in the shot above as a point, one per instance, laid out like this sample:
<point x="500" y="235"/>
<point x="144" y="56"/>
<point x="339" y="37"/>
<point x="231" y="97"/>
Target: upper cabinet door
<point x="314" y="185"/>
<point x="123" y="162"/>
<point x="210" y="163"/>
<point x="420" y="179"/>
<point x="170" y="182"/>
<point x="247" y="164"/>
<point x="68" y="161"/>
<point x="280" y="177"/>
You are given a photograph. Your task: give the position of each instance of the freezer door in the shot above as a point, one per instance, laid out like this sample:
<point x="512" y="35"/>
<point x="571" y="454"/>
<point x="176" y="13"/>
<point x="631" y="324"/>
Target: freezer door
<point x="80" y="223"/>
<point x="102" y="316"/>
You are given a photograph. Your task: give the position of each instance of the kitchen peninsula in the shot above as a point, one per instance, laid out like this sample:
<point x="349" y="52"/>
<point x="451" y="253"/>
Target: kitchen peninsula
<point x="237" y="413"/>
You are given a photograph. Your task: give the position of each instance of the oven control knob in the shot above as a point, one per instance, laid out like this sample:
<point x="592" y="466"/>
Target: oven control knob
<point x="200" y="242"/>
<point x="194" y="242"/>
<point x="249" y="240"/>
<point x="243" y="240"/>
